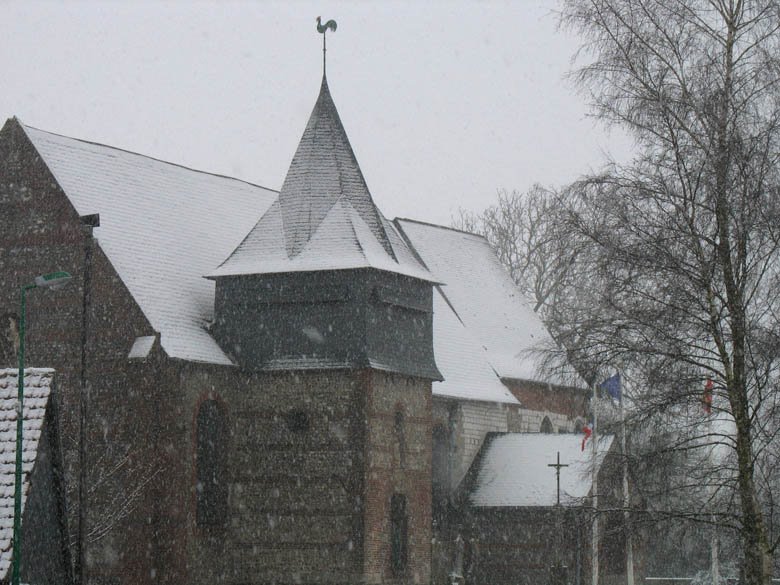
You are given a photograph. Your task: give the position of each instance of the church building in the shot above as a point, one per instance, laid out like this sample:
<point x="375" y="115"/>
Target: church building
<point x="268" y="387"/>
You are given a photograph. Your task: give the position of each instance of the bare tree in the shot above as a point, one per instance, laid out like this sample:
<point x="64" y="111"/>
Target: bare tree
<point x="526" y="231"/>
<point x="686" y="236"/>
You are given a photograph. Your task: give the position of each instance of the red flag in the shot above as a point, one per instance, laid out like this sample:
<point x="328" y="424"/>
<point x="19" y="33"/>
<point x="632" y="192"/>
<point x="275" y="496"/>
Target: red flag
<point x="707" y="398"/>
<point x="588" y="430"/>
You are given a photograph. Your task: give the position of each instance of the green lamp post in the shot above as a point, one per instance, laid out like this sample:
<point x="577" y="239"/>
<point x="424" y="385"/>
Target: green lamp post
<point x="53" y="281"/>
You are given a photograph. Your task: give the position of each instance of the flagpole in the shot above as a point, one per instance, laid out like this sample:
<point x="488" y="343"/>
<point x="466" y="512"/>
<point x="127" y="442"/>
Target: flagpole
<point x="626" y="500"/>
<point x="595" y="532"/>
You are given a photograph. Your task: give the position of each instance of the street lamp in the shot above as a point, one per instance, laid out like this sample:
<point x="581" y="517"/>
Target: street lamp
<point x="54" y="280"/>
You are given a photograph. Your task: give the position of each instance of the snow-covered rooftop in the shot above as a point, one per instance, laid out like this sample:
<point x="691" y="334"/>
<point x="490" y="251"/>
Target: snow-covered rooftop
<point x="514" y="469"/>
<point x="341" y="241"/>
<point x="325" y="218"/>
<point x="162" y="226"/>
<point x="484" y="297"/>
<point x="462" y="361"/>
<point x="37" y="388"/>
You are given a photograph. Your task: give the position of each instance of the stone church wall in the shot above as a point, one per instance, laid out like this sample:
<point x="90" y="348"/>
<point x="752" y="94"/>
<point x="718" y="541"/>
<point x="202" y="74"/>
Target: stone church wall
<point x="310" y="502"/>
<point x="40" y="232"/>
<point x="398" y="461"/>
<point x="294" y="459"/>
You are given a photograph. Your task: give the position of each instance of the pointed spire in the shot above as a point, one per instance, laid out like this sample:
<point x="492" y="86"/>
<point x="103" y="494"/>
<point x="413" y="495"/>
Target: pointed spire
<point x="323" y="171"/>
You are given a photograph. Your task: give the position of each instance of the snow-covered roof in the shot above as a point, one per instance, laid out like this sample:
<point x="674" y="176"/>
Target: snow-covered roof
<point x="142" y="347"/>
<point x="37" y="388"/>
<point x="341" y="241"/>
<point x="462" y="361"/>
<point x="162" y="226"/>
<point x="325" y="218"/>
<point x="514" y="469"/>
<point x="484" y="297"/>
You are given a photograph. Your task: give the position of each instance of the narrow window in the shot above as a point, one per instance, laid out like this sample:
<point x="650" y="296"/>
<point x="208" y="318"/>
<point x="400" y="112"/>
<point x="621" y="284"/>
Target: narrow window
<point x="400" y="438"/>
<point x="399" y="534"/>
<point x="440" y="463"/>
<point x="211" y="488"/>
<point x="546" y="426"/>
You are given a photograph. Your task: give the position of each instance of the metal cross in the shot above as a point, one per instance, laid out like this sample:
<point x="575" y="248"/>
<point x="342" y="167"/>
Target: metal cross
<point x="558" y="465"/>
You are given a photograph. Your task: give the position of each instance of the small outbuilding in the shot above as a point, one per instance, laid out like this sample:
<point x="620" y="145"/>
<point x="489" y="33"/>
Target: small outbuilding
<point x="44" y="556"/>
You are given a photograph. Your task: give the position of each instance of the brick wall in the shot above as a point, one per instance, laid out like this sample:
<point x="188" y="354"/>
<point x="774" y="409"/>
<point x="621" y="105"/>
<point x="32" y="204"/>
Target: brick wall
<point x="389" y="472"/>
<point x="295" y="504"/>
<point x="562" y="405"/>
<point x="40" y="232"/>
<point x="303" y="508"/>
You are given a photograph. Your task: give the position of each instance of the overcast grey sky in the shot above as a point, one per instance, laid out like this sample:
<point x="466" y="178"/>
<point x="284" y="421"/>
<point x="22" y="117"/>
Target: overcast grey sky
<point x="443" y="102"/>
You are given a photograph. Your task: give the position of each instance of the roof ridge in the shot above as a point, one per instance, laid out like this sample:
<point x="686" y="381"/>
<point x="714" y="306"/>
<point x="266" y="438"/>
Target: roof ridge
<point x="442" y="227"/>
<point x="146" y="156"/>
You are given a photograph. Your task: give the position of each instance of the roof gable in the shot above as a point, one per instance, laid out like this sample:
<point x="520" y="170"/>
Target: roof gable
<point x="342" y="241"/>
<point x="162" y="227"/>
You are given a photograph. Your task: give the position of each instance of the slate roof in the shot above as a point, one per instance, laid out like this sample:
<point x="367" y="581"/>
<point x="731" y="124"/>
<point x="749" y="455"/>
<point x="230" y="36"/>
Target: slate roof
<point x="513" y="469"/>
<point x="162" y="227"/>
<point x="462" y="361"/>
<point x="484" y="298"/>
<point x="325" y="218"/>
<point x="37" y="389"/>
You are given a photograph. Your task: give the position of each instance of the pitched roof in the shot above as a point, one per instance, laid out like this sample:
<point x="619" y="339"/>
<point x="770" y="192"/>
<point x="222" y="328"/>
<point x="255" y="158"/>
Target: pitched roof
<point x="324" y="170"/>
<point x="37" y="389"/>
<point x="162" y="227"/>
<point x="513" y="469"/>
<point x="462" y="361"/>
<point x="325" y="218"/>
<point x="484" y="297"/>
<point x="341" y="241"/>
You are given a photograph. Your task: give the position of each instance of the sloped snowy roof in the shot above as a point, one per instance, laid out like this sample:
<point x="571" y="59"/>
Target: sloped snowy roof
<point x="324" y="170"/>
<point x="342" y="240"/>
<point x="37" y="388"/>
<point x="162" y="226"/>
<point x="514" y="469"/>
<point x="462" y="361"/>
<point x="325" y="218"/>
<point x="483" y="296"/>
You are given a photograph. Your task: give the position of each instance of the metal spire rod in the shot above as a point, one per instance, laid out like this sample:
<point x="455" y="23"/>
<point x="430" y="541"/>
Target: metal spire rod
<point x="322" y="29"/>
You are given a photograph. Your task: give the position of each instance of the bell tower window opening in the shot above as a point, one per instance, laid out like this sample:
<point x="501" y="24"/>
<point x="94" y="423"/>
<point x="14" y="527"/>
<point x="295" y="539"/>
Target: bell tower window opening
<point x="399" y="535"/>
<point x="211" y="488"/>
<point x="399" y="435"/>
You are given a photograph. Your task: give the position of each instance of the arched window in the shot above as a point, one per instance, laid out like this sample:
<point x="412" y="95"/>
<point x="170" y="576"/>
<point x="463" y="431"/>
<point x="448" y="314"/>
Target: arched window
<point x="400" y="437"/>
<point x="546" y="426"/>
<point x="399" y="535"/>
<point x="211" y="488"/>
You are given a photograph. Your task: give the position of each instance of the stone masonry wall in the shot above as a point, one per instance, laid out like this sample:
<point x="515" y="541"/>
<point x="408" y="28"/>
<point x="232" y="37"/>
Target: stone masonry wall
<point x="41" y="232"/>
<point x="398" y="467"/>
<point x="295" y="504"/>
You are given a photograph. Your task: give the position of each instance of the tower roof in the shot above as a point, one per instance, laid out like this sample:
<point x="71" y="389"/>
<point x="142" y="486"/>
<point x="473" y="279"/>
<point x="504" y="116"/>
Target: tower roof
<point x="325" y="218"/>
<point x="324" y="170"/>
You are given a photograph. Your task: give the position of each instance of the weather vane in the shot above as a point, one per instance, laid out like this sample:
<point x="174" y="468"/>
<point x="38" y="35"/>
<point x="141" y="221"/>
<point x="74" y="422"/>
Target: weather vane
<point x="322" y="28"/>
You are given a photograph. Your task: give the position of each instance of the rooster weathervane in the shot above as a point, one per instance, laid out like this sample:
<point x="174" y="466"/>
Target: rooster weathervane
<point x="323" y="28"/>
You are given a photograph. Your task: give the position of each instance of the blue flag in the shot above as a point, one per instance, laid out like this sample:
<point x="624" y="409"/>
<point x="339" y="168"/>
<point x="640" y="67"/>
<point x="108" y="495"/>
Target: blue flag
<point x="612" y="386"/>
